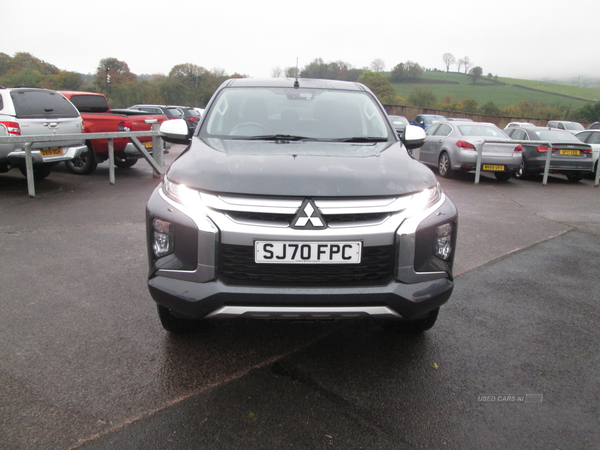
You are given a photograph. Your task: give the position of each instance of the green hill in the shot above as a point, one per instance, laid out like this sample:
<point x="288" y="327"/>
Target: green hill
<point x="502" y="91"/>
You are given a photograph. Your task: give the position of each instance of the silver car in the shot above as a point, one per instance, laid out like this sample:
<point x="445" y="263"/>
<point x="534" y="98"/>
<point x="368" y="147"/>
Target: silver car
<point x="452" y="146"/>
<point x="38" y="112"/>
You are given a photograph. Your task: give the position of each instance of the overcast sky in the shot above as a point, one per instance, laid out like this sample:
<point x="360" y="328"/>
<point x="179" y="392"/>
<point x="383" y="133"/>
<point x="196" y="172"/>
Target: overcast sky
<point x="512" y="38"/>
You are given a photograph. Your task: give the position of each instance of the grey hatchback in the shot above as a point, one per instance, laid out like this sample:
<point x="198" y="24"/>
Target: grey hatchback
<point x="570" y="156"/>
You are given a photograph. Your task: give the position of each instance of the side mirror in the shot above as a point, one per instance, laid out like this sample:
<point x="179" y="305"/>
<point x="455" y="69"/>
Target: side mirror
<point x="175" y="131"/>
<point x="414" y="137"/>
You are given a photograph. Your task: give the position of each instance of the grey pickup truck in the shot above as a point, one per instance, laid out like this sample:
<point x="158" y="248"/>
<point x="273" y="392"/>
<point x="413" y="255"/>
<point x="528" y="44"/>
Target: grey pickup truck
<point x="296" y="199"/>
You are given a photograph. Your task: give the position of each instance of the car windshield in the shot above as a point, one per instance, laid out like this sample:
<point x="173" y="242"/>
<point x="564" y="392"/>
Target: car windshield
<point x="574" y="126"/>
<point x="399" y="120"/>
<point x="556" y="135"/>
<point x="295" y="114"/>
<point x="482" y="130"/>
<point x="174" y="113"/>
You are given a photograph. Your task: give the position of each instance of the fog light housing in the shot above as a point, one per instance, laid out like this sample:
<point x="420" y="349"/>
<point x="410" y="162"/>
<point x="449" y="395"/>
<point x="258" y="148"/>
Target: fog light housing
<point x="443" y="241"/>
<point x="162" y="242"/>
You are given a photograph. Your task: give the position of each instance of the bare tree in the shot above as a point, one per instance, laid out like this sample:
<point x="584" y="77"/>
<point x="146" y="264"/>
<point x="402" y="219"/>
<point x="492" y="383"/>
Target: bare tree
<point x="276" y="72"/>
<point x="448" y="59"/>
<point x="467" y="64"/>
<point x="377" y="65"/>
<point x="291" y="72"/>
<point x="460" y="63"/>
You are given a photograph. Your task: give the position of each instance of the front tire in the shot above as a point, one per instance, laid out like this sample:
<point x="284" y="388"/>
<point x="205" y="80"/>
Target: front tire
<point x="125" y="163"/>
<point x="444" y="167"/>
<point x="522" y="174"/>
<point x="84" y="164"/>
<point x="174" y="324"/>
<point x="39" y="171"/>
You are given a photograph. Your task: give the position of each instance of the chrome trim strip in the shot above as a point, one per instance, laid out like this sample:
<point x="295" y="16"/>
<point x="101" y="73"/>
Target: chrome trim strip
<point x="303" y="312"/>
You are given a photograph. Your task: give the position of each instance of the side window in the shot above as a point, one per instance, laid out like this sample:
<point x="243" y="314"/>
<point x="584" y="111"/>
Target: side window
<point x="583" y="136"/>
<point x="594" y="138"/>
<point x="443" y="130"/>
<point x="519" y="135"/>
<point x="430" y="131"/>
<point x="561" y="126"/>
<point x="419" y="119"/>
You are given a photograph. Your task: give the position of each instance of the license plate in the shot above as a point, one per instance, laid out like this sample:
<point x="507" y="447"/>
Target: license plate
<point x="148" y="144"/>
<point x="570" y="152"/>
<point x="279" y="252"/>
<point x="492" y="167"/>
<point x="51" y="151"/>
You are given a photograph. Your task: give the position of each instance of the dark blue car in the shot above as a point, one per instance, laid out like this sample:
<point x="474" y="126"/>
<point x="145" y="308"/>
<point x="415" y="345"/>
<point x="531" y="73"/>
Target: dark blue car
<point x="424" y="120"/>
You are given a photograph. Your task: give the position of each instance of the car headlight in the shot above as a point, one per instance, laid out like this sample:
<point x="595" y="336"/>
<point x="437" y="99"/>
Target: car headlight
<point x="423" y="200"/>
<point x="182" y="194"/>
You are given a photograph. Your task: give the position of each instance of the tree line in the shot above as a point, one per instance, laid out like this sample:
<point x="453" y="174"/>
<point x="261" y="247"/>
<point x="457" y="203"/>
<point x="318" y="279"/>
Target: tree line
<point x="192" y="85"/>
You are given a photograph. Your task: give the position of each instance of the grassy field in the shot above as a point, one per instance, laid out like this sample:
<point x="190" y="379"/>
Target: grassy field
<point x="504" y="93"/>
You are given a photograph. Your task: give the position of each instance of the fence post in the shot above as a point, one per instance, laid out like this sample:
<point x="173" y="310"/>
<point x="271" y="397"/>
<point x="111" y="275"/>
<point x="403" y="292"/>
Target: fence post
<point x="597" y="174"/>
<point x="29" y="169"/>
<point x="547" y="166"/>
<point x="111" y="161"/>
<point x="478" y="168"/>
<point x="157" y="150"/>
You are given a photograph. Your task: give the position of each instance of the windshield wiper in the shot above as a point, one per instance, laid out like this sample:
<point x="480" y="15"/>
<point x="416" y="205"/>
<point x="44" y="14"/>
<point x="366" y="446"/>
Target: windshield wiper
<point x="276" y="137"/>
<point x="362" y="139"/>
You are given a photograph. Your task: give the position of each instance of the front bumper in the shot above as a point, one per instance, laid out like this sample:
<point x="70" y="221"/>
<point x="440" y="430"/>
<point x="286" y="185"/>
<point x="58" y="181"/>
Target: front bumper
<point x="188" y="282"/>
<point x="17" y="157"/>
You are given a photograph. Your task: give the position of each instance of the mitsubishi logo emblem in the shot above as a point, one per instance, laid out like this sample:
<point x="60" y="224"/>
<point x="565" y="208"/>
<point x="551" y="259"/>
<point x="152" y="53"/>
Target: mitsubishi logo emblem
<point x="308" y="217"/>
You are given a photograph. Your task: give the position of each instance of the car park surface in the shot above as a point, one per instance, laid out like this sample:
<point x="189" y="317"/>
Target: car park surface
<point x="87" y="365"/>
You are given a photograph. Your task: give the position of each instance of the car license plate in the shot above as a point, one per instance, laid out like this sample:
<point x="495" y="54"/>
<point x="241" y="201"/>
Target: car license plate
<point x="570" y="152"/>
<point x="280" y="252"/>
<point x="148" y="144"/>
<point x="51" y="151"/>
<point x="492" y="167"/>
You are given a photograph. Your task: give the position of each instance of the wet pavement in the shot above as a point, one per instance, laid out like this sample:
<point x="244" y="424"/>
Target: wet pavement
<point x="511" y="362"/>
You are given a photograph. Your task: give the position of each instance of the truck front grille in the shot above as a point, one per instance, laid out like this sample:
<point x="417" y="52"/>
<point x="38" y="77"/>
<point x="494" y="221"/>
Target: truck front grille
<point x="237" y="267"/>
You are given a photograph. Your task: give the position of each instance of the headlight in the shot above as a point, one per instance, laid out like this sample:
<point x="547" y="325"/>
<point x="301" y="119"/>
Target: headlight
<point x="423" y="200"/>
<point x="182" y="194"/>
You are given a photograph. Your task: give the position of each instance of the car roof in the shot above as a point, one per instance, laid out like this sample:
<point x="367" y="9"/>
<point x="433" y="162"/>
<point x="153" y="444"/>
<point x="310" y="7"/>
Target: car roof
<point x="309" y="83"/>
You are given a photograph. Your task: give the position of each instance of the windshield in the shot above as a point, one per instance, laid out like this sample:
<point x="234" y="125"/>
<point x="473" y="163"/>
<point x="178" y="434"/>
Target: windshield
<point x="278" y="113"/>
<point x="399" y="120"/>
<point x="482" y="130"/>
<point x="574" y="126"/>
<point x="556" y="135"/>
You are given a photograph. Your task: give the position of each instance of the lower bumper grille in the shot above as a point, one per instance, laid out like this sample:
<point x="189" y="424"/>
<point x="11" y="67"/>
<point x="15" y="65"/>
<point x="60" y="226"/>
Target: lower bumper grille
<point x="237" y="267"/>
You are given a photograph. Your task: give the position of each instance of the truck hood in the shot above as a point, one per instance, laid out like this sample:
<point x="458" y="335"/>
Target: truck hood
<point x="300" y="168"/>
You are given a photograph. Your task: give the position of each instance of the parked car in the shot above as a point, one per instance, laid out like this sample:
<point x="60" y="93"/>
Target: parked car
<point x="99" y="118"/>
<point x="296" y="199"/>
<point x="591" y="137"/>
<point x="172" y="112"/>
<point x="191" y="117"/>
<point x="518" y="124"/>
<point x="425" y="120"/>
<point x="399" y="123"/>
<point x="200" y="111"/>
<point x="594" y="126"/>
<point x="570" y="156"/>
<point x="34" y="112"/>
<point x="572" y="127"/>
<point x="452" y="146"/>
<point x="460" y="119"/>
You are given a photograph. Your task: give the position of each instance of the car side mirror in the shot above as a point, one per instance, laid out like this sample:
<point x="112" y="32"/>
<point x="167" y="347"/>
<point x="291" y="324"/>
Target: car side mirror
<point x="175" y="131"/>
<point x="414" y="137"/>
